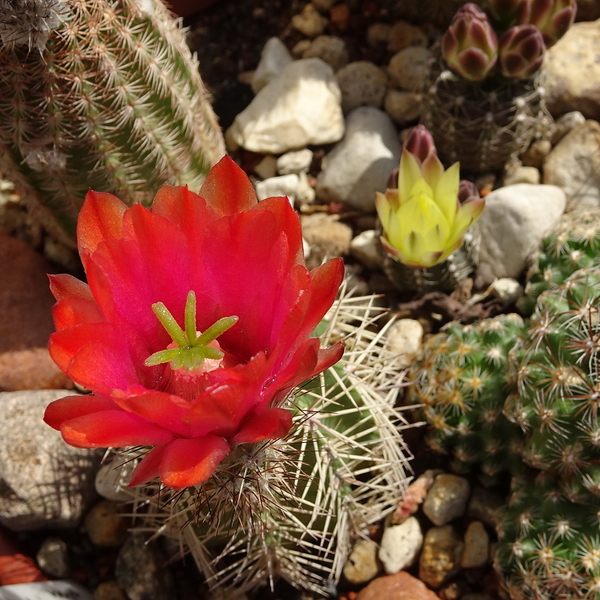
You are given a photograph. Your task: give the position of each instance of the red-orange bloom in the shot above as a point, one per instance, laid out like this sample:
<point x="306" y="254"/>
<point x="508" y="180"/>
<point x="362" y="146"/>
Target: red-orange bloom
<point x="243" y="260"/>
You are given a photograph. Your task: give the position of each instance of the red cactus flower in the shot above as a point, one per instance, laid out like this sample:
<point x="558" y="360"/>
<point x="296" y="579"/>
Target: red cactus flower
<point x="193" y="328"/>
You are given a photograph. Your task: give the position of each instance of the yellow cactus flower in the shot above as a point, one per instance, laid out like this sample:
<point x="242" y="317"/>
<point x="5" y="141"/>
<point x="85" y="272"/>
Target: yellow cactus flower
<point x="423" y="220"/>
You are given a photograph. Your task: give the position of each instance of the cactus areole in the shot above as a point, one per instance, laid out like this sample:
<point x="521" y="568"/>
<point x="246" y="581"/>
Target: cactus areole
<point x="193" y="328"/>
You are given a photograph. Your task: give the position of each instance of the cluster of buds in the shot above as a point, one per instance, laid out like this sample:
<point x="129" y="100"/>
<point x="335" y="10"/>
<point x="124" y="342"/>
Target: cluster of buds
<point x="513" y="42"/>
<point x="425" y="218"/>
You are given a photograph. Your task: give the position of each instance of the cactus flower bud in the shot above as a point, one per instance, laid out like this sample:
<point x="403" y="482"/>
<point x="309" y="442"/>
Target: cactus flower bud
<point x="470" y="46"/>
<point x="552" y="17"/>
<point x="467" y="191"/>
<point x="423" y="220"/>
<point x="420" y="143"/>
<point x="521" y="51"/>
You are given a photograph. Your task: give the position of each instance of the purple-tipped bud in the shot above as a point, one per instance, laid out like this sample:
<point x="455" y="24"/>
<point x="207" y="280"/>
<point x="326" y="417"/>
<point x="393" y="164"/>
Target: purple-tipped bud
<point x="521" y="51"/>
<point x="504" y="12"/>
<point x="470" y="46"/>
<point x="467" y="191"/>
<point x="552" y="17"/>
<point x="420" y="143"/>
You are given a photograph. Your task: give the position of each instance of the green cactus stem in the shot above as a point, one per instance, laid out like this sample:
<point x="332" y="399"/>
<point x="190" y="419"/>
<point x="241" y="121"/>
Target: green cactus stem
<point x="102" y="95"/>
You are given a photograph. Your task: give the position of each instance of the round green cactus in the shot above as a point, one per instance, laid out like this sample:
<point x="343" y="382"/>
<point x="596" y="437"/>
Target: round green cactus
<point x="460" y="384"/>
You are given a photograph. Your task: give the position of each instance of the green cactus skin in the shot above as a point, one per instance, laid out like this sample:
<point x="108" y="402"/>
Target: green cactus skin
<point x="548" y="547"/>
<point x="460" y="383"/>
<point x="444" y="277"/>
<point x="103" y="95"/>
<point x="557" y="396"/>
<point x="292" y="508"/>
<point x="481" y="125"/>
<point x="574" y="245"/>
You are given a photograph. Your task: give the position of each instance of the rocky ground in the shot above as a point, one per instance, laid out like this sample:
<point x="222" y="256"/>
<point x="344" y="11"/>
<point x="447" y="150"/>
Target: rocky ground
<point x="366" y="61"/>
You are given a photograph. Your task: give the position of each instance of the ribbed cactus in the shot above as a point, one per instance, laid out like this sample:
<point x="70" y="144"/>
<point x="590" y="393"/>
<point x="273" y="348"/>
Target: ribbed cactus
<point x="98" y="94"/>
<point x="460" y="383"/>
<point x="556" y="398"/>
<point x="291" y="508"/>
<point x="482" y="102"/>
<point x="573" y="245"/>
<point x="548" y="547"/>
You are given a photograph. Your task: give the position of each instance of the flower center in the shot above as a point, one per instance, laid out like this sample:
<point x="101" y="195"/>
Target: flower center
<point x="190" y="348"/>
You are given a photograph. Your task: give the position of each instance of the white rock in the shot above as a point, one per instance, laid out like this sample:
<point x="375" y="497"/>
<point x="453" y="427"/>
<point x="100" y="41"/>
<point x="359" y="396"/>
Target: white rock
<point x="284" y="185"/>
<point x="409" y="68"/>
<point x="574" y="166"/>
<point x="362" y="84"/>
<point x="563" y="125"/>
<point x="267" y="167"/>
<point x="294" y="162"/>
<point x="571" y="72"/>
<point x="330" y="49"/>
<point x="305" y="192"/>
<point x="365" y="247"/>
<point x="509" y="290"/>
<point x="404" y="339"/>
<point x="400" y="545"/>
<point x="299" y="108"/>
<point x="362" y="162"/>
<point x="309" y="21"/>
<point x="403" y="107"/>
<point x="112" y="479"/>
<point x="273" y="59"/>
<point x="515" y="220"/>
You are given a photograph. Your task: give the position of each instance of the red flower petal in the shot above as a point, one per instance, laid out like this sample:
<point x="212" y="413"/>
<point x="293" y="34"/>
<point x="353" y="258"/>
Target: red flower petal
<point x="69" y="312"/>
<point x="112" y="429"/>
<point x="100" y="218"/>
<point x="72" y="407"/>
<point x="270" y="424"/>
<point x="67" y="286"/>
<point x="227" y="188"/>
<point x="190" y="462"/>
<point x="148" y="467"/>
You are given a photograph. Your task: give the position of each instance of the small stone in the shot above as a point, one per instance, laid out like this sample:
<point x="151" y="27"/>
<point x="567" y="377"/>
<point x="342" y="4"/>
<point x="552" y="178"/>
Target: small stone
<point x="453" y="591"/>
<point x="330" y="49"/>
<point x="365" y="247"/>
<point x="447" y="498"/>
<point x="400" y="545"/>
<point x="273" y="59"/>
<point x="378" y="34"/>
<point x="326" y="236"/>
<point x="141" y="573"/>
<point x="509" y="290"/>
<point x="362" y="565"/>
<point x="440" y="557"/>
<point x="476" y="548"/>
<point x="362" y="162"/>
<point x="109" y="590"/>
<point x="535" y="155"/>
<point x="484" y="506"/>
<point x="521" y="174"/>
<point x="267" y="167"/>
<point x="300" y="48"/>
<point x="299" y="108"/>
<point x="362" y="84"/>
<point x="284" y="185"/>
<point x="404" y="34"/>
<point x="305" y="192"/>
<point x="105" y="526"/>
<point x="113" y="477"/>
<point x="564" y="125"/>
<point x="404" y="339"/>
<point x="403" y="107"/>
<point x="409" y="68"/>
<point x="414" y="496"/>
<point x="340" y="16"/>
<point x="309" y="22"/>
<point x="294" y="162"/>
<point x="399" y="586"/>
<point x="53" y="557"/>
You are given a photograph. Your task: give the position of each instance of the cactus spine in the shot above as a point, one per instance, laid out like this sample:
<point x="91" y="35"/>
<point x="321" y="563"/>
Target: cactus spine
<point x="98" y="94"/>
<point x="291" y="508"/>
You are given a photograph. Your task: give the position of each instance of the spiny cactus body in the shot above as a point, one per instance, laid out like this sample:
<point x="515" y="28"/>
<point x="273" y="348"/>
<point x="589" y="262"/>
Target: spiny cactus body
<point x="292" y="507"/>
<point x="102" y="95"/>
<point x="549" y="547"/>
<point x="460" y="381"/>
<point x="557" y="396"/>
<point x="574" y="245"/>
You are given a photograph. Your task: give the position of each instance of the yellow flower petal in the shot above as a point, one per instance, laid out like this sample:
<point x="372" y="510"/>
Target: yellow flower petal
<point x="408" y="174"/>
<point x="384" y="210"/>
<point x="446" y="192"/>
